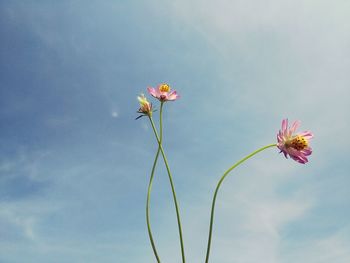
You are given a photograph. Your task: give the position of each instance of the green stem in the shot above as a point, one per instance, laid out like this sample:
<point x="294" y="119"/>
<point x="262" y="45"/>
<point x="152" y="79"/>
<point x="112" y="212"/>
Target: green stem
<point x="150" y="189"/>
<point x="172" y="189"/>
<point x="217" y="189"/>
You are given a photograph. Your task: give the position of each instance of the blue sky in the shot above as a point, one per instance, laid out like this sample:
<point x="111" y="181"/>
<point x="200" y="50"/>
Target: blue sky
<point x="74" y="164"/>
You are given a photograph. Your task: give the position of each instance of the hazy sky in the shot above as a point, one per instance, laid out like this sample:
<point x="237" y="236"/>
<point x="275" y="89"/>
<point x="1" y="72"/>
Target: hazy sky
<point x="74" y="164"/>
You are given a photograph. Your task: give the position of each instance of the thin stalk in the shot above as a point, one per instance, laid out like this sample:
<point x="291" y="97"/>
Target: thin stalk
<point x="150" y="188"/>
<point x="217" y="189"/>
<point x="172" y="189"/>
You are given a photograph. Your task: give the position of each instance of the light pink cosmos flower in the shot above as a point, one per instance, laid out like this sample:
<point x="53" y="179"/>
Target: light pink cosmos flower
<point x="163" y="92"/>
<point x="296" y="145"/>
<point x="145" y="107"/>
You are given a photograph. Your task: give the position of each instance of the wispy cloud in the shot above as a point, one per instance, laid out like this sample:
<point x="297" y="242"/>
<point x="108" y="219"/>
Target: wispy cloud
<point x="74" y="164"/>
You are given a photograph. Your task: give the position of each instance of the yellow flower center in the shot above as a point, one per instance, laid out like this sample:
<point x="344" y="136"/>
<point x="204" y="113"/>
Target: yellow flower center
<point x="164" y="88"/>
<point x="298" y="143"/>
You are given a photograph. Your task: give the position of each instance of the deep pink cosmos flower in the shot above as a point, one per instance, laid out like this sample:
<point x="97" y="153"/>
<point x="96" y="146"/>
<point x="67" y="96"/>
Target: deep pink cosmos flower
<point x="163" y="92"/>
<point x="294" y="145"/>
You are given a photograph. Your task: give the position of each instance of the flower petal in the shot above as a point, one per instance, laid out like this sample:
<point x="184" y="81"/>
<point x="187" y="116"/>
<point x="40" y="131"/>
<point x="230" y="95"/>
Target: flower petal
<point x="307" y="134"/>
<point x="284" y="125"/>
<point x="152" y="91"/>
<point x="295" y="126"/>
<point x="173" y="95"/>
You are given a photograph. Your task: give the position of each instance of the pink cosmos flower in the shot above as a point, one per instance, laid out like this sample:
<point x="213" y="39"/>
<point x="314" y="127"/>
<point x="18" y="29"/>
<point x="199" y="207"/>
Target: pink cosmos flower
<point x="163" y="92"/>
<point x="296" y="145"/>
<point x="145" y="106"/>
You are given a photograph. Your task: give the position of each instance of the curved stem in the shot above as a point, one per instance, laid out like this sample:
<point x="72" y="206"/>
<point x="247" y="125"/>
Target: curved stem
<point x="150" y="188"/>
<point x="217" y="189"/>
<point x="172" y="189"/>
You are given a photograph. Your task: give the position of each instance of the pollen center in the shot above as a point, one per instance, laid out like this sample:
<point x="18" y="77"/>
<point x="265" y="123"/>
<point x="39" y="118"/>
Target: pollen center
<point x="299" y="143"/>
<point x="164" y="88"/>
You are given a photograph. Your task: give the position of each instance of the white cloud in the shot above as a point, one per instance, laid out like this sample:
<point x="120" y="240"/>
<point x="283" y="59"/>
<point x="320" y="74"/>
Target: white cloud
<point x="332" y="248"/>
<point x="114" y="114"/>
<point x="24" y="163"/>
<point x="22" y="217"/>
